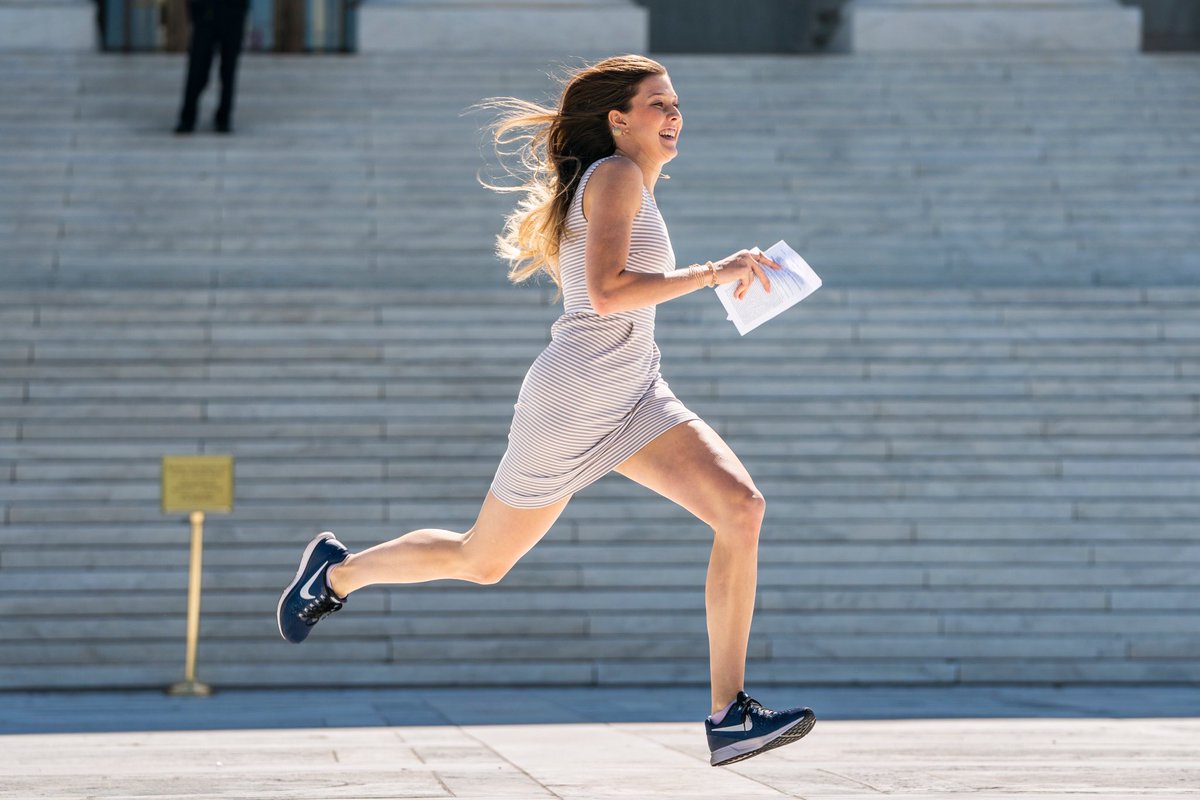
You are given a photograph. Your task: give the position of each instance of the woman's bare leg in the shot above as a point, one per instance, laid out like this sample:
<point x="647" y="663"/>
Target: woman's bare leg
<point x="500" y="536"/>
<point x="691" y="465"/>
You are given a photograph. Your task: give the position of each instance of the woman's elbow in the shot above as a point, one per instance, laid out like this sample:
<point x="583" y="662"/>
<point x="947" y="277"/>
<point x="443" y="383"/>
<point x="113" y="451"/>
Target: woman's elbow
<point x="601" y="303"/>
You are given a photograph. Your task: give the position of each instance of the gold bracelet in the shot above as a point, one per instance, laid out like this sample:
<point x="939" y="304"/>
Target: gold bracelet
<point x="698" y="271"/>
<point x="713" y="270"/>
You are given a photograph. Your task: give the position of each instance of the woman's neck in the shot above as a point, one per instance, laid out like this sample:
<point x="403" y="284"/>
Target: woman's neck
<point x="651" y="168"/>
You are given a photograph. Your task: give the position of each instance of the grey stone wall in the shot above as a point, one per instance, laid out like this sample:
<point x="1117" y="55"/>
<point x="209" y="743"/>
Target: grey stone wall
<point x="47" y="26"/>
<point x="1169" y="25"/>
<point x="808" y="26"/>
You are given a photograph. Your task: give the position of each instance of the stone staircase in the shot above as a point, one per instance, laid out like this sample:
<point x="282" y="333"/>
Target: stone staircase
<point x="979" y="442"/>
<point x="361" y="172"/>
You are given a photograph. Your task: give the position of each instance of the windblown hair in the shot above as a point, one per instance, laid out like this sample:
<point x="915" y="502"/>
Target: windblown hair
<point x="555" y="147"/>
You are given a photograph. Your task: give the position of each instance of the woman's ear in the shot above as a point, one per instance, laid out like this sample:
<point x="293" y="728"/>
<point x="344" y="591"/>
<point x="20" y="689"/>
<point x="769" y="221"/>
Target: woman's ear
<point x="614" y="119"/>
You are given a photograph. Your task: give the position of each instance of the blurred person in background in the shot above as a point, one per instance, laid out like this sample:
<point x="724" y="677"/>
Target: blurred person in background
<point x="215" y="23"/>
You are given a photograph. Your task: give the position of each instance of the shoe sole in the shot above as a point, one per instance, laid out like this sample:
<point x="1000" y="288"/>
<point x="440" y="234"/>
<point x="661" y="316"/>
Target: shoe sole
<point x="789" y="735"/>
<point x="304" y="559"/>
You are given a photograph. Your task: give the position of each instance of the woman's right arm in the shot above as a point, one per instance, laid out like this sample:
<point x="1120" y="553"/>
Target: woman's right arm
<point x="612" y="198"/>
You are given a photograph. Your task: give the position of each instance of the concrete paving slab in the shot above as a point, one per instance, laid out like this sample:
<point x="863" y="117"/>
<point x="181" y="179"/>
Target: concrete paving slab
<point x="949" y="743"/>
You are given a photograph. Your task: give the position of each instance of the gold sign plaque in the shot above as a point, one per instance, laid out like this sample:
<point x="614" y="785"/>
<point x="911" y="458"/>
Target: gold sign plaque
<point x="197" y="483"/>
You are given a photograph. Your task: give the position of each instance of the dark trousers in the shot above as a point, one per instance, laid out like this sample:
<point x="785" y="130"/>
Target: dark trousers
<point x="215" y="24"/>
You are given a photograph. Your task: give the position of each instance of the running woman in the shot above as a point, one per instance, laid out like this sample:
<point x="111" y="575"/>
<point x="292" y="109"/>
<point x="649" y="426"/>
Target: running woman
<point x="594" y="400"/>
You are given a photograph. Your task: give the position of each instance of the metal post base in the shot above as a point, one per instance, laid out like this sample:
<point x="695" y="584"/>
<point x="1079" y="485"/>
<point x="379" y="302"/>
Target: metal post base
<point x="189" y="689"/>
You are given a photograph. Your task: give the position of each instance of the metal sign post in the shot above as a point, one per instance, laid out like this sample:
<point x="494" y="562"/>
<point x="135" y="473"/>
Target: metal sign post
<point x="195" y="484"/>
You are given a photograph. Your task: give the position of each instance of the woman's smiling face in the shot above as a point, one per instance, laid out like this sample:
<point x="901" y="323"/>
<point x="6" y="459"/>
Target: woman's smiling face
<point x="653" y="122"/>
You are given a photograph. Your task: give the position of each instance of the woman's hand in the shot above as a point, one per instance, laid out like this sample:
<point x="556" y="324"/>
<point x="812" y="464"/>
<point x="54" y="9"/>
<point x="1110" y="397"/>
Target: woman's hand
<point x="742" y="267"/>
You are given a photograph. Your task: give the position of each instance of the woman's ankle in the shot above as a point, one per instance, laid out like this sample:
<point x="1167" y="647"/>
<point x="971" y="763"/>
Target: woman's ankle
<point x="331" y="579"/>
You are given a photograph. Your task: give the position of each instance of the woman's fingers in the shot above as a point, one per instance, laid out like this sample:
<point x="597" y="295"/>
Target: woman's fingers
<point x="756" y="264"/>
<point x="745" y="282"/>
<point x="761" y="258"/>
<point x="762" y="276"/>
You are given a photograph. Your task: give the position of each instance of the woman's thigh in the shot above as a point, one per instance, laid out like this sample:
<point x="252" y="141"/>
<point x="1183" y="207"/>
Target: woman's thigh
<point x="502" y="534"/>
<point x="692" y="465"/>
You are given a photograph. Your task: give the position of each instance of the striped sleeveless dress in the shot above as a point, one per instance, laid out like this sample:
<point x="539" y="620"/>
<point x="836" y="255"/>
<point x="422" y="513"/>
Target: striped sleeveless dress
<point x="595" y="395"/>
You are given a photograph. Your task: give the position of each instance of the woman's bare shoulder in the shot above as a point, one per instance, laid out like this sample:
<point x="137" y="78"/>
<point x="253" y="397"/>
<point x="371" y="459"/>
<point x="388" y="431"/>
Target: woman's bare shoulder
<point x="618" y="181"/>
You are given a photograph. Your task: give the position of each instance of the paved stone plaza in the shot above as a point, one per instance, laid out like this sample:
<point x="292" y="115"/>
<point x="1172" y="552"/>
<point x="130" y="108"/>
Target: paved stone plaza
<point x="977" y="742"/>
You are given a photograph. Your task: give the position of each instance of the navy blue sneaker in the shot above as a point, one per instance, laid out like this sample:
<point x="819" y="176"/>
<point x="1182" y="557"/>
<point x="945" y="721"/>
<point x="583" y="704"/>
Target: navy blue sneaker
<point x="748" y="729"/>
<point x="307" y="600"/>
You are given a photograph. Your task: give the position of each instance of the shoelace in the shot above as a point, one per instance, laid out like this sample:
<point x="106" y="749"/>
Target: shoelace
<point x="322" y="606"/>
<point x="758" y="708"/>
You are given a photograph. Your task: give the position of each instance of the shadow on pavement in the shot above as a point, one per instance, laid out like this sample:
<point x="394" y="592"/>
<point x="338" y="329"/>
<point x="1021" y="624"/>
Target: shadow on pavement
<point x="86" y="712"/>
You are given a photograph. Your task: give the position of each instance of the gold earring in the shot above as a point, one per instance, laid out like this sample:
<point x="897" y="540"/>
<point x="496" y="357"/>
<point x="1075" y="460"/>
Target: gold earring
<point x="616" y="131"/>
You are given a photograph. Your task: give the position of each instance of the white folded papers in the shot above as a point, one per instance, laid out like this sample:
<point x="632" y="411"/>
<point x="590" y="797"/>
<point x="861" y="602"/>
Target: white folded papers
<point x="789" y="286"/>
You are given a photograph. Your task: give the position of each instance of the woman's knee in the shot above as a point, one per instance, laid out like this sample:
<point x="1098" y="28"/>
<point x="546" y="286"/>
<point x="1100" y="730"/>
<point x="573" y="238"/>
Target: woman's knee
<point x="486" y="573"/>
<point x="742" y="512"/>
<point x="479" y="565"/>
<point x="473" y="569"/>
<point x="501" y="536"/>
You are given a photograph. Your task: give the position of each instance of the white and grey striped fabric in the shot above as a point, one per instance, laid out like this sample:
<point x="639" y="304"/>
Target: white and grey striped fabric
<point x="595" y="395"/>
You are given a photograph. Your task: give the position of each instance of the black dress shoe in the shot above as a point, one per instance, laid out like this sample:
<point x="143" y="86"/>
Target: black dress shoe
<point x="185" y="127"/>
<point x="222" y="125"/>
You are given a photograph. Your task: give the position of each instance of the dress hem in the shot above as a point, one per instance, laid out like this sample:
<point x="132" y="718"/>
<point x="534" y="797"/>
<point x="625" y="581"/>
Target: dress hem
<point x="577" y="485"/>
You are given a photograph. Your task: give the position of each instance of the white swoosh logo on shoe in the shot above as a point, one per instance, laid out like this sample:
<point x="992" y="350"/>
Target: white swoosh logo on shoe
<point x="745" y="725"/>
<point x="304" y="594"/>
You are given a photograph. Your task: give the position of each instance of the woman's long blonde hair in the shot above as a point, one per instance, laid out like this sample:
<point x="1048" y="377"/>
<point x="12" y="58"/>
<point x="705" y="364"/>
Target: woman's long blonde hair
<point x="555" y="147"/>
